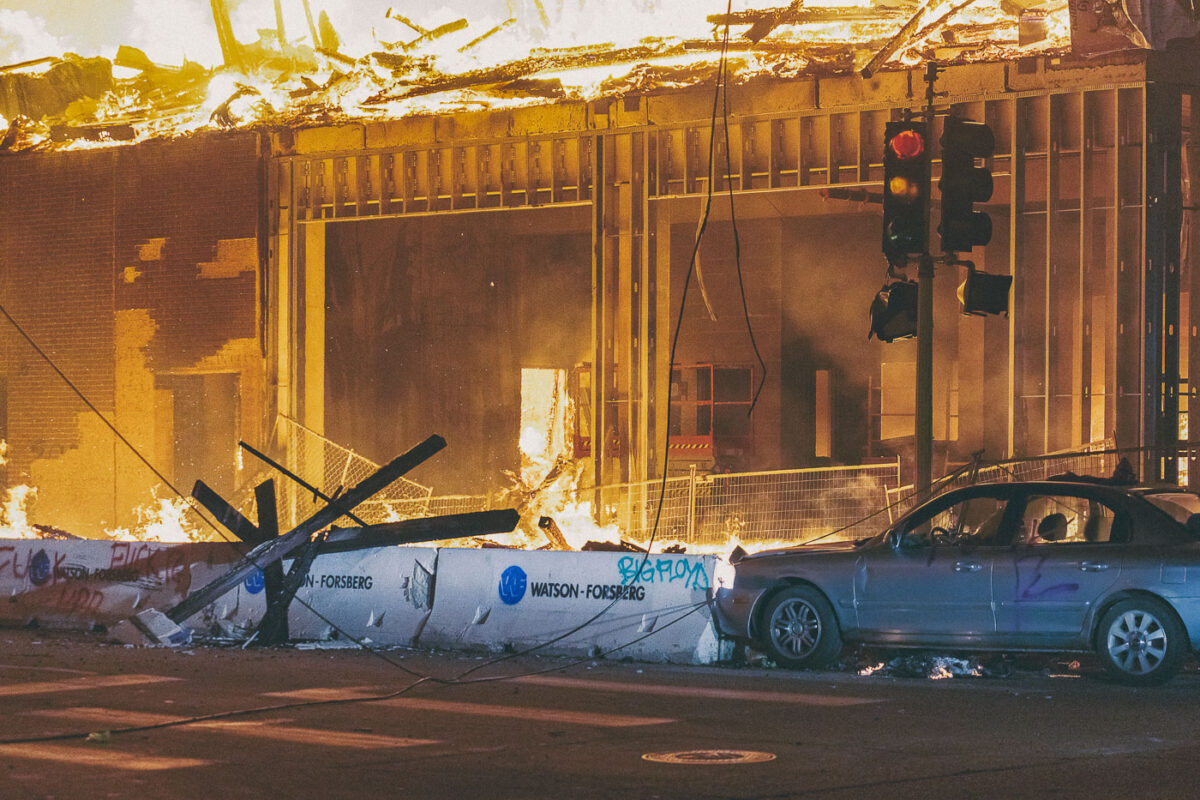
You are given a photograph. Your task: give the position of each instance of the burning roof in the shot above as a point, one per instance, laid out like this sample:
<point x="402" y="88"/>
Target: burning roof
<point x="72" y="101"/>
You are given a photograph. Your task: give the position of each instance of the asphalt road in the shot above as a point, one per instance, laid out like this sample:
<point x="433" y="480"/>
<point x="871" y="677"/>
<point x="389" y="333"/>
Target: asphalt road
<point x="579" y="732"/>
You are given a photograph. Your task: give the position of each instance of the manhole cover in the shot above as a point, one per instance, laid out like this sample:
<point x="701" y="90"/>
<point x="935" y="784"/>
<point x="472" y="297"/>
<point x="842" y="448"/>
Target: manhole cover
<point x="710" y="757"/>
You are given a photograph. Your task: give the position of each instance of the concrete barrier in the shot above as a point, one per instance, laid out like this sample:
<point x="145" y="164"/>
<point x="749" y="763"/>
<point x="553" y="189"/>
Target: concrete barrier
<point x="82" y="584"/>
<point x="459" y="599"/>
<point x="515" y="599"/>
<point x="383" y="595"/>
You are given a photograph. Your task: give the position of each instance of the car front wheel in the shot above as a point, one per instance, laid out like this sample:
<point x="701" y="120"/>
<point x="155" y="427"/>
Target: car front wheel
<point x="800" y="629"/>
<point x="1140" y="642"/>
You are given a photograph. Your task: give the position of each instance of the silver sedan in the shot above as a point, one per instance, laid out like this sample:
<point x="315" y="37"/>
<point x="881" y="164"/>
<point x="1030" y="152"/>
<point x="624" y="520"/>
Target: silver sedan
<point x="1055" y="566"/>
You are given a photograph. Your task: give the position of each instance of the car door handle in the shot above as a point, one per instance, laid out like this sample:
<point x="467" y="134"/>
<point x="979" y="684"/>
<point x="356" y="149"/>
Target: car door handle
<point x="967" y="566"/>
<point x="1092" y="566"/>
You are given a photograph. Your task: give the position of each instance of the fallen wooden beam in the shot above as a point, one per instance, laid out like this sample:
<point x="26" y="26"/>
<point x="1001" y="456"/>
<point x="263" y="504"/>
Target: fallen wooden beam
<point x="343" y="540"/>
<point x="272" y="551"/>
<point x="35" y="62"/>
<point x="436" y="33"/>
<point x="396" y="15"/>
<point x="554" y="533"/>
<point x="795" y="14"/>
<point x="426" y="529"/>
<point x="573" y="58"/>
<point x="471" y="44"/>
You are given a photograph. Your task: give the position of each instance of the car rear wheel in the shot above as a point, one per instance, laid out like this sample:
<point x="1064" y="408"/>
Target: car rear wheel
<point x="1140" y="642"/>
<point x="800" y="629"/>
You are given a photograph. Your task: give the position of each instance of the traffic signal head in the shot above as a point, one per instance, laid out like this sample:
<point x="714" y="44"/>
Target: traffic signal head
<point x="905" y="190"/>
<point x="963" y="184"/>
<point x="982" y="293"/>
<point x="894" y="311"/>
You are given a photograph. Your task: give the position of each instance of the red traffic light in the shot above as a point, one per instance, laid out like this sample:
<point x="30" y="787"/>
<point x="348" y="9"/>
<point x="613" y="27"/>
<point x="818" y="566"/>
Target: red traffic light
<point x="907" y="144"/>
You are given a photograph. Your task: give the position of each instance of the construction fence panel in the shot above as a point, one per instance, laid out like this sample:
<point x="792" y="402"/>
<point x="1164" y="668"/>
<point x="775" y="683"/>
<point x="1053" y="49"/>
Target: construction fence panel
<point x="332" y="468"/>
<point x="1098" y="459"/>
<point x="708" y="512"/>
<point x="792" y="505"/>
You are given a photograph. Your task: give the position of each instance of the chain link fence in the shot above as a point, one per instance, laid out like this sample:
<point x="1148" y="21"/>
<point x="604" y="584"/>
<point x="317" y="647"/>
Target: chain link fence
<point x="699" y="512"/>
<point x="1097" y="458"/>
<point x="332" y="469"/>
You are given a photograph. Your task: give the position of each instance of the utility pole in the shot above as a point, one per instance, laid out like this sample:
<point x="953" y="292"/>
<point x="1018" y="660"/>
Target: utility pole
<point x="923" y="428"/>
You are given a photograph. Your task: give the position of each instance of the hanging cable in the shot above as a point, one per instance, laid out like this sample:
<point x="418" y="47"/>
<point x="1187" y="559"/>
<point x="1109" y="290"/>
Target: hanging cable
<point x="737" y="243"/>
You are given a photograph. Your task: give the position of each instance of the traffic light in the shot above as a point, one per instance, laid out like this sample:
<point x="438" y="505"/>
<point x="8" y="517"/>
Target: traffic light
<point x="982" y="293"/>
<point x="894" y="311"/>
<point x="963" y="184"/>
<point x="905" y="190"/>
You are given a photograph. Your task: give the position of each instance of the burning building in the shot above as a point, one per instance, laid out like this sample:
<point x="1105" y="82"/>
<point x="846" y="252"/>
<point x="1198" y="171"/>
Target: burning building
<point x="379" y="246"/>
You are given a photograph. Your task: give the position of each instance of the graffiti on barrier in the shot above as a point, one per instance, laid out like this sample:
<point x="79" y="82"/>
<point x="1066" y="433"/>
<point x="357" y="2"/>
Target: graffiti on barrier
<point x="689" y="572"/>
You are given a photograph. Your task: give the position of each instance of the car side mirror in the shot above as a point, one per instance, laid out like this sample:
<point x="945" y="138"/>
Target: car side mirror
<point x="909" y="541"/>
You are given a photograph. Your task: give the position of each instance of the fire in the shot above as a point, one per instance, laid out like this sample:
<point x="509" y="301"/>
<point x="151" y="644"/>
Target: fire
<point x="164" y="520"/>
<point x="297" y="73"/>
<point x="14" y="516"/>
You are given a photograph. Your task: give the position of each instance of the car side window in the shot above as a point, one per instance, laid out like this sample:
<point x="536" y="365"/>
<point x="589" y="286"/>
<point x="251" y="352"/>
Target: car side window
<point x="1051" y="520"/>
<point x="975" y="521"/>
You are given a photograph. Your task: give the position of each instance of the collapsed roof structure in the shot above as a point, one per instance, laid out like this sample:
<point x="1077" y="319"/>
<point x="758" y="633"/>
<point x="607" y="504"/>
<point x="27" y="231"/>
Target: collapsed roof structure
<point x="67" y="100"/>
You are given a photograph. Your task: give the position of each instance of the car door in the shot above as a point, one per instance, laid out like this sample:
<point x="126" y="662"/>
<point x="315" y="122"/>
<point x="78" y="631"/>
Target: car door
<point x="933" y="582"/>
<point x="1066" y="555"/>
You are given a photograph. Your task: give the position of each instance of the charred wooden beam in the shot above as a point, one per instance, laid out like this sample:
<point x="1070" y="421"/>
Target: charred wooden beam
<point x="336" y="56"/>
<point x="273" y="627"/>
<point x="230" y="48"/>
<point x="342" y="540"/>
<point x="312" y="26"/>
<point x="554" y="533"/>
<point x="910" y="31"/>
<point x="280" y="32"/>
<point x="273" y="578"/>
<point x="544" y="60"/>
<point x="492" y="32"/>
<point x="35" y="62"/>
<point x="226" y="514"/>
<point x="107" y="132"/>
<point x="436" y="33"/>
<point x="327" y="37"/>
<point x="427" y="529"/>
<point x="268" y="552"/>
<point x="796" y="14"/>
<point x="396" y="15"/>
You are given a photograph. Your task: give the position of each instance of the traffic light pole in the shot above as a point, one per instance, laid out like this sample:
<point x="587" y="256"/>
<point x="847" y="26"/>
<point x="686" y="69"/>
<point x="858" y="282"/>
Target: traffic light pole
<point x="924" y="406"/>
<point x="923" y="427"/>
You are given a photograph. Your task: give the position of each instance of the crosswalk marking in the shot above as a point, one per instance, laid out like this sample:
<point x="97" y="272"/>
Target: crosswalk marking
<point x="27" y="668"/>
<point x="664" y="690"/>
<point x="80" y="684"/>
<point x="519" y="712"/>
<point x="482" y="709"/>
<point x="90" y="755"/>
<point x="263" y="728"/>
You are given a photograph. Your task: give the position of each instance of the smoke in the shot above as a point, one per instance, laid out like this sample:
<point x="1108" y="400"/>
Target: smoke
<point x="24" y="37"/>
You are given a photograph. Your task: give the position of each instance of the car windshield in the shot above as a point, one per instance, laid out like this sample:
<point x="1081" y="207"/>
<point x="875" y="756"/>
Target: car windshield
<point x="1180" y="505"/>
